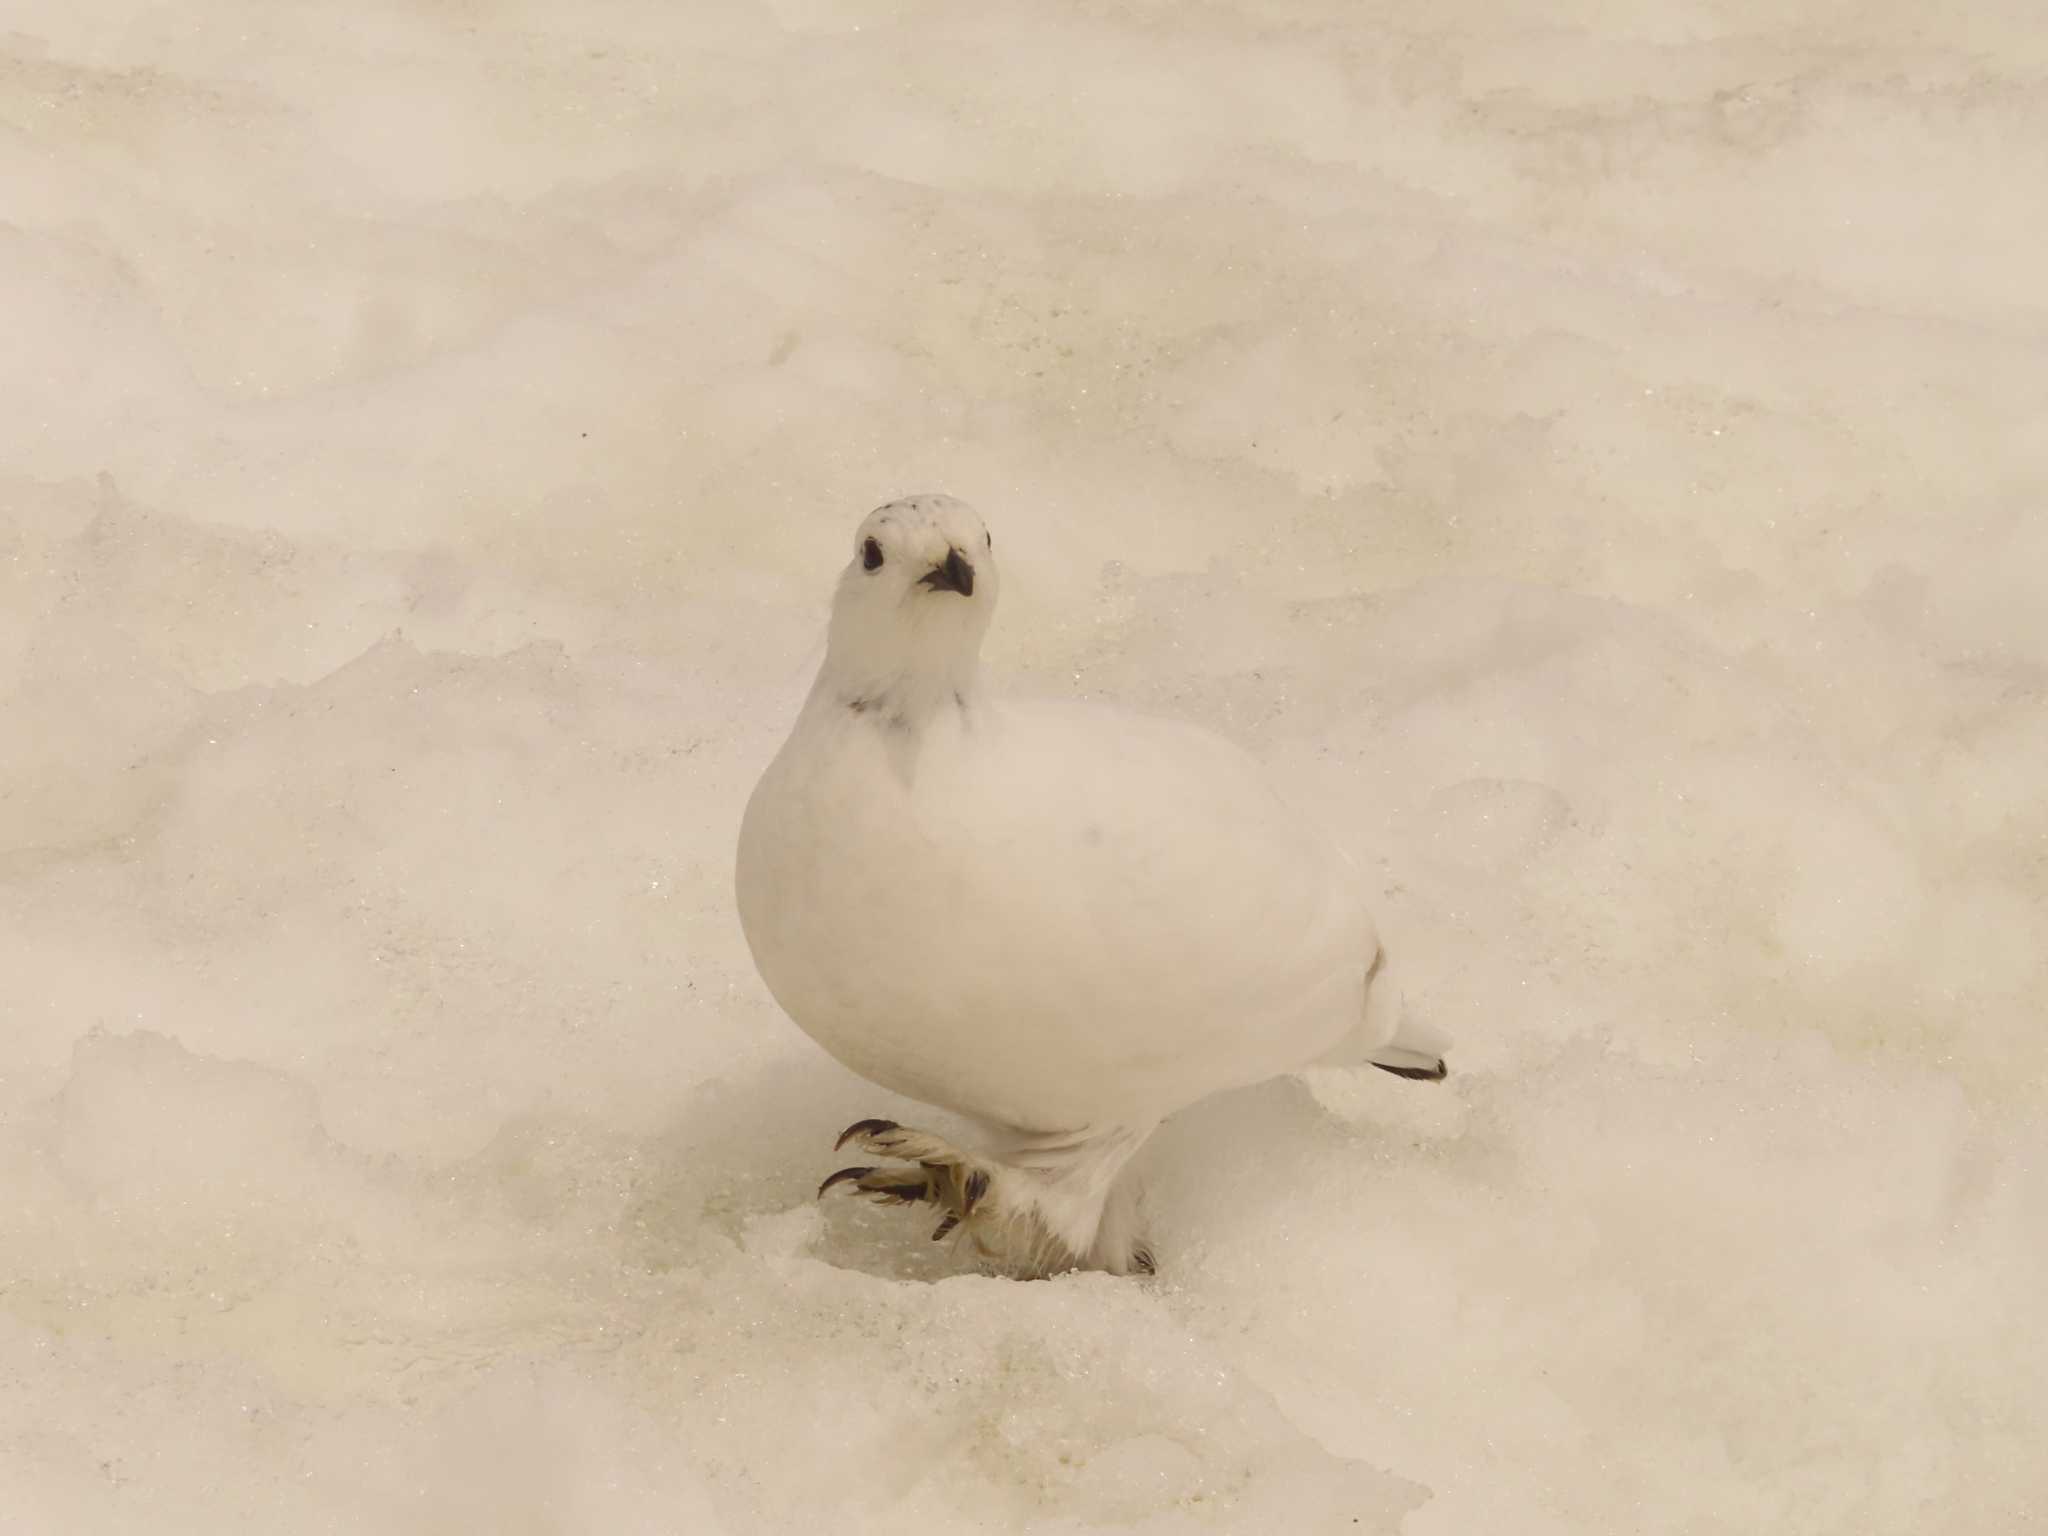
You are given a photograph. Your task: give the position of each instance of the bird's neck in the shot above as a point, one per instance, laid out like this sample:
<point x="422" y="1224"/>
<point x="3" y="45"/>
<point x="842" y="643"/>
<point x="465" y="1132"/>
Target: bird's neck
<point x="895" y="695"/>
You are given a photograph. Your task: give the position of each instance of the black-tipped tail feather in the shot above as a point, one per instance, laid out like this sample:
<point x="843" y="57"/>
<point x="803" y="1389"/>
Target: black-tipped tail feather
<point x="1416" y="1051"/>
<point x="1435" y="1072"/>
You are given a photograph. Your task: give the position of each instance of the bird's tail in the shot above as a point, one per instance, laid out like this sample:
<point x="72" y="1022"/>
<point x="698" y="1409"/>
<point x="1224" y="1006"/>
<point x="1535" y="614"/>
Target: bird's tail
<point x="1417" y="1050"/>
<point x="1390" y="1036"/>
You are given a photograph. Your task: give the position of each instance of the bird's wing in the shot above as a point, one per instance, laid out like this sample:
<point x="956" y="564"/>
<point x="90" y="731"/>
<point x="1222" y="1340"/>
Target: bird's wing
<point x="1159" y="903"/>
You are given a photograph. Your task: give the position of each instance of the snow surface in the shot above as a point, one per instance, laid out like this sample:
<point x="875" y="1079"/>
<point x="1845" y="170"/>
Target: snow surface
<point x="1599" y="461"/>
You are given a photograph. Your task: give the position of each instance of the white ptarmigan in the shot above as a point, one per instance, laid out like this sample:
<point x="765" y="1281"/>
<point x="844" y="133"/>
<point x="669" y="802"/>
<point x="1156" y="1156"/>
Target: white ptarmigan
<point x="1060" y="921"/>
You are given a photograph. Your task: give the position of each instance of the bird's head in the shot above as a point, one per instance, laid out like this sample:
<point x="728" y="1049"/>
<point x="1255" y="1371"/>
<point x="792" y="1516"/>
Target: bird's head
<point x="913" y="602"/>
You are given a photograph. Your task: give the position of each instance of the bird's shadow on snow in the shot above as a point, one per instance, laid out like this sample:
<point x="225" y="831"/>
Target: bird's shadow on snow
<point x="1252" y="1150"/>
<point x="758" y="1146"/>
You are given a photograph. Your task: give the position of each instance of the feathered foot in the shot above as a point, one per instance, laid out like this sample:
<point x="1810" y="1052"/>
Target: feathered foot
<point x="948" y="1178"/>
<point x="1028" y="1218"/>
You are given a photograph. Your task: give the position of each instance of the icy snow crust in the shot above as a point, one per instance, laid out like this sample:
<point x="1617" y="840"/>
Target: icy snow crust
<point x="1598" y="461"/>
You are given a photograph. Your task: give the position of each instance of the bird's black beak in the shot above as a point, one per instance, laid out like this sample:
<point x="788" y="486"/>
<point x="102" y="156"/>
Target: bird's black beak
<point x="955" y="575"/>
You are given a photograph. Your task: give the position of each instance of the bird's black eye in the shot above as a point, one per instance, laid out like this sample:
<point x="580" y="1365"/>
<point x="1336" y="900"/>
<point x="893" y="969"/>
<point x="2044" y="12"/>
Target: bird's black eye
<point x="871" y="555"/>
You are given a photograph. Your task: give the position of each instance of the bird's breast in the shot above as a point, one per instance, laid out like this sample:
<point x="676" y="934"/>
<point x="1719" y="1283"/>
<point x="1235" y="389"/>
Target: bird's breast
<point x="1035" y="923"/>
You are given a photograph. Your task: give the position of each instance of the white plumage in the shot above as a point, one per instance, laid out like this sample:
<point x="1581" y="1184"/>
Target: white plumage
<point x="1060" y="921"/>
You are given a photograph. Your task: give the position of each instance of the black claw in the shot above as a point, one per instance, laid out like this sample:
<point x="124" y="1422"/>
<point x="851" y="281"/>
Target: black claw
<point x="1435" y="1074"/>
<point x="945" y="1226"/>
<point x="841" y="1177"/>
<point x="970" y="1197"/>
<point x="1143" y="1263"/>
<point x="864" y="1128"/>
